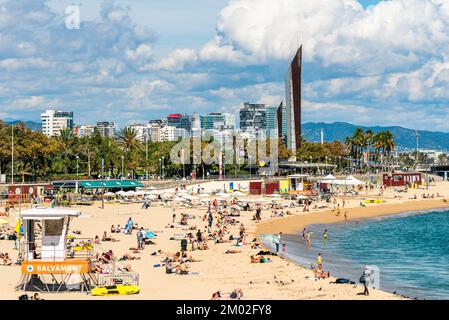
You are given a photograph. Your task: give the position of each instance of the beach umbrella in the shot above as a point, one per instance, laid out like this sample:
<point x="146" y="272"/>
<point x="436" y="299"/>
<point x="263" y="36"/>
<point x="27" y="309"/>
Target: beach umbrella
<point x="238" y="194"/>
<point x="274" y="195"/>
<point x="109" y="194"/>
<point x="222" y="194"/>
<point x="204" y="195"/>
<point x="351" y="180"/>
<point x="151" y="188"/>
<point x="120" y="193"/>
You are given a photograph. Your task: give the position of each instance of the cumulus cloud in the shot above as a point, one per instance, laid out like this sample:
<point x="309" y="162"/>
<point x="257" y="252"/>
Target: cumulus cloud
<point x="176" y="60"/>
<point x="393" y="35"/>
<point x="387" y="63"/>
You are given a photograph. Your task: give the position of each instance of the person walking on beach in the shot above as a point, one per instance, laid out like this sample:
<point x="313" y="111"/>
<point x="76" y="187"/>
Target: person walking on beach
<point x="364" y="279"/>
<point x="277" y="242"/>
<point x="308" y="239"/>
<point x="140" y="240"/>
<point x="346" y="216"/>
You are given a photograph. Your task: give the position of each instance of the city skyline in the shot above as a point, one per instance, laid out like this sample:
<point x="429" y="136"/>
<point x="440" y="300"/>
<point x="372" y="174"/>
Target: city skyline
<point x="147" y="68"/>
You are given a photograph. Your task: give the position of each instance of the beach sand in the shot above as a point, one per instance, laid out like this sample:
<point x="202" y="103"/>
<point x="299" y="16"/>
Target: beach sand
<point x="280" y="279"/>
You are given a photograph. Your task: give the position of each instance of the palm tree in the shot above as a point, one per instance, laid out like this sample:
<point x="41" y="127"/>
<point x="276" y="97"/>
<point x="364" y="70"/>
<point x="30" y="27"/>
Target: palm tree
<point x="369" y="134"/>
<point x="66" y="138"/>
<point x="128" y="139"/>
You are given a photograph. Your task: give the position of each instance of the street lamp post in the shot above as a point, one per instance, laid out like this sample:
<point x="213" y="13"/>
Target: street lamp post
<point x="102" y="183"/>
<point x="163" y="167"/>
<point x="250" y="167"/>
<point x="123" y="165"/>
<point x="146" y="155"/>
<point x="77" y="166"/>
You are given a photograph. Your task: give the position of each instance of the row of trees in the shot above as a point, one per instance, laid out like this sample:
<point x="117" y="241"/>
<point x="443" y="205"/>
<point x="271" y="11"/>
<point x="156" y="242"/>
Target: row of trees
<point x="37" y="157"/>
<point x="376" y="147"/>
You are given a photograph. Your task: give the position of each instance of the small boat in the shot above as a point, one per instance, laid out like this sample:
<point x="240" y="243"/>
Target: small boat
<point x="115" y="290"/>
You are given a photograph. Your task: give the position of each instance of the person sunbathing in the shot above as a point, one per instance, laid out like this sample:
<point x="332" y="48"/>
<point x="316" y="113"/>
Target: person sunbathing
<point x="126" y="268"/>
<point x="232" y="251"/>
<point x="320" y="274"/>
<point x="7" y="260"/>
<point x="107" y="238"/>
<point x="216" y="295"/>
<point x="127" y="256"/>
<point x="236" y="294"/>
<point x="255" y="259"/>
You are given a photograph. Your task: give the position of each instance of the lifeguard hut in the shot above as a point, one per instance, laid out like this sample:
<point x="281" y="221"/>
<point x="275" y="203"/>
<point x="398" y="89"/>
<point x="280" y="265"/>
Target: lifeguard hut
<point x="51" y="261"/>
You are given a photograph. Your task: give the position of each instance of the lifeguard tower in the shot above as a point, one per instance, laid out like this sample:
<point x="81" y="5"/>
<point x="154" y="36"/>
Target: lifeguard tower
<point x="51" y="260"/>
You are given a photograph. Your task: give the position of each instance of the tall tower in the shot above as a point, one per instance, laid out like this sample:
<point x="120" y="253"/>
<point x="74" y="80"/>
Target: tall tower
<point x="293" y="101"/>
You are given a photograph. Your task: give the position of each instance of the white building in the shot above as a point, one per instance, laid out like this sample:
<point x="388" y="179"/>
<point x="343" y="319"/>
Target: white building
<point x="167" y="133"/>
<point x="85" y="131"/>
<point x="154" y="132"/>
<point x="53" y="121"/>
<point x="142" y="131"/>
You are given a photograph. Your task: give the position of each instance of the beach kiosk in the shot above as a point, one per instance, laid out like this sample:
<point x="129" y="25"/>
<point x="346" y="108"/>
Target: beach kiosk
<point x="297" y="183"/>
<point x="50" y="262"/>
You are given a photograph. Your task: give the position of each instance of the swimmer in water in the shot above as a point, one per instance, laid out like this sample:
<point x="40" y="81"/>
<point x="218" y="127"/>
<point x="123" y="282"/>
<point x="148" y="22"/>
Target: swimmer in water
<point x="325" y="236"/>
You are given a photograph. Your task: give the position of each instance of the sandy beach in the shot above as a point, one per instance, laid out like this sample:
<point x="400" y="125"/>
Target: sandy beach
<point x="216" y="270"/>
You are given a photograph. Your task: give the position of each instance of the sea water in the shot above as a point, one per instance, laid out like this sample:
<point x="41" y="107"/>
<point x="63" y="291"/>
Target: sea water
<point x="411" y="251"/>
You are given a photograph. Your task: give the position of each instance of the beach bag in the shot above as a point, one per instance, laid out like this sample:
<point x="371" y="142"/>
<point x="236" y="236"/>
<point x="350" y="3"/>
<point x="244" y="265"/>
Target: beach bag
<point x="342" y="281"/>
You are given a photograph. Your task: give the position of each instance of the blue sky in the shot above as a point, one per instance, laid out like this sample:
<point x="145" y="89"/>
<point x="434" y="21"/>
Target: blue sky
<point x="368" y="62"/>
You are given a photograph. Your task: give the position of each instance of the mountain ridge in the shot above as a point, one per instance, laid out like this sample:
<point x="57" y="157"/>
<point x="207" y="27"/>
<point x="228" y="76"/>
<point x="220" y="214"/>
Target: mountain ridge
<point x="405" y="138"/>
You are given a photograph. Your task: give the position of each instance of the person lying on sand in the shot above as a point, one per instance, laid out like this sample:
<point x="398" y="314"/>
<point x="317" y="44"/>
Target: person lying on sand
<point x="126" y="268"/>
<point x="320" y="274"/>
<point x="127" y="256"/>
<point x="232" y="251"/>
<point x="259" y="259"/>
<point x="6" y="259"/>
<point x="216" y="295"/>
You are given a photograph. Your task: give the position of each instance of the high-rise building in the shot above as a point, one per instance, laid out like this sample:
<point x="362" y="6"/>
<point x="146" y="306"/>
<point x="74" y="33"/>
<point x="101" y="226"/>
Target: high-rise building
<point x="217" y="120"/>
<point x="272" y="121"/>
<point x="293" y="102"/>
<point x="253" y="117"/>
<point x="106" y="129"/>
<point x="180" y="121"/>
<point x="54" y="121"/>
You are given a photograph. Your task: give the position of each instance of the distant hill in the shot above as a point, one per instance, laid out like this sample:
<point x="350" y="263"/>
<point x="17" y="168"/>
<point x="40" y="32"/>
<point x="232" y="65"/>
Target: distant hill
<point x="405" y="138"/>
<point x="36" y="126"/>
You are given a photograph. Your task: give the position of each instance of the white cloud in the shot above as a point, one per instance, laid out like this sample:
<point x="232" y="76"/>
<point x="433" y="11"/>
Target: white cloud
<point x="174" y="61"/>
<point x="393" y="35"/>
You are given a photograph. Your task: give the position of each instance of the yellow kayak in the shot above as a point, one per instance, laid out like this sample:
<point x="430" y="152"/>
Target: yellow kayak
<point x="374" y="201"/>
<point x="120" y="290"/>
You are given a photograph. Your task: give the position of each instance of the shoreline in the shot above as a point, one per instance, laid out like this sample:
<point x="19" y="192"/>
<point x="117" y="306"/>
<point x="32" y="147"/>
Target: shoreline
<point x="295" y="223"/>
